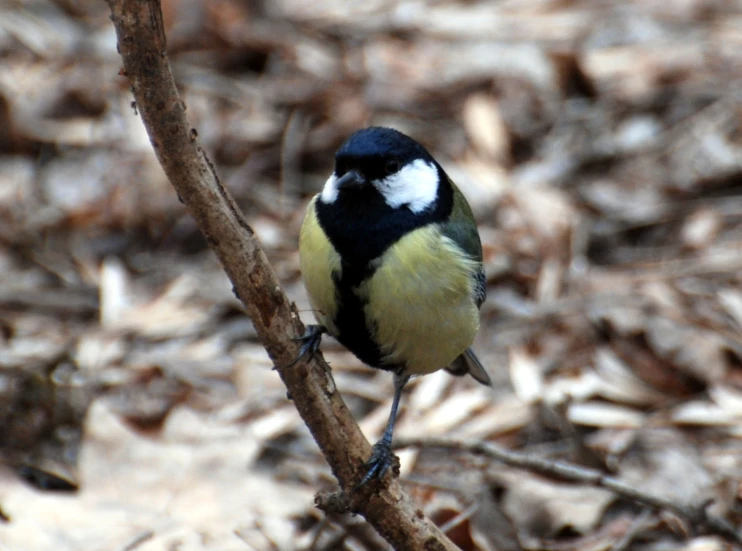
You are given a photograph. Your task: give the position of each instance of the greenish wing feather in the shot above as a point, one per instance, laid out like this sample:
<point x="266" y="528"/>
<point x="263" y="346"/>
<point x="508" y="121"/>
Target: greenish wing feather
<point x="461" y="228"/>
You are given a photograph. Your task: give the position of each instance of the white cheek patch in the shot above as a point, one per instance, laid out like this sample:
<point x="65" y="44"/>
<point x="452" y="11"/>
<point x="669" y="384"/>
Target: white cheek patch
<point x="415" y="185"/>
<point x="330" y="191"/>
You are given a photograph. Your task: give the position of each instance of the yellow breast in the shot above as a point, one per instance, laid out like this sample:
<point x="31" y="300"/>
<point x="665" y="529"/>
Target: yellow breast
<point x="318" y="260"/>
<point x="420" y="303"/>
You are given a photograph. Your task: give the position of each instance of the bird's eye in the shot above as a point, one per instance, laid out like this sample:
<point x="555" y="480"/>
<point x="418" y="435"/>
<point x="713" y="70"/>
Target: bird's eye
<point x="391" y="166"/>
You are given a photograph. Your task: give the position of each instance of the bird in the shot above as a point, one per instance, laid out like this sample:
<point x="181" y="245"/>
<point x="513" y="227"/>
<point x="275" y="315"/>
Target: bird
<point x="391" y="259"/>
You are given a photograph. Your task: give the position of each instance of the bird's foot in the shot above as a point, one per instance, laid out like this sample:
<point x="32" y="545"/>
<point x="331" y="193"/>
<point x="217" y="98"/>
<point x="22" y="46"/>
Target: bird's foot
<point x="381" y="459"/>
<point x="311" y="339"/>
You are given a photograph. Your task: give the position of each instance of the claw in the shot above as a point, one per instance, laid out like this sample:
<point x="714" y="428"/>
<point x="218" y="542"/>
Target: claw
<point x="311" y="339"/>
<point x="381" y="459"/>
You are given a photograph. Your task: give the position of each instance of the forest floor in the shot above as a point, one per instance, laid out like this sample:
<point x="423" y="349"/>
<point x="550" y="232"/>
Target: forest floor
<point x="600" y="145"/>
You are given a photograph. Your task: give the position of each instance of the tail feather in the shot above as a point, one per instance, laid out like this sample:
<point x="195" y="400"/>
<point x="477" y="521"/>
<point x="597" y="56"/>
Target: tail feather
<point x="469" y="363"/>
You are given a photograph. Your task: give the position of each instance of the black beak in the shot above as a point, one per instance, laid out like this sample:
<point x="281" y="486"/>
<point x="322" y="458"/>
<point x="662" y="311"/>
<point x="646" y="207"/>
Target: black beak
<point x="350" y="179"/>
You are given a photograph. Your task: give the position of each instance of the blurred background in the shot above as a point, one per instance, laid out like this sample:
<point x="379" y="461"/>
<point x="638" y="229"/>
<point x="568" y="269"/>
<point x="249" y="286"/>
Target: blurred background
<point x="600" y="145"/>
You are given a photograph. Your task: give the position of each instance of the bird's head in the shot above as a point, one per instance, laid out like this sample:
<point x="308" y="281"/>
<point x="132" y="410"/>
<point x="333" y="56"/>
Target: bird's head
<point x="384" y="161"/>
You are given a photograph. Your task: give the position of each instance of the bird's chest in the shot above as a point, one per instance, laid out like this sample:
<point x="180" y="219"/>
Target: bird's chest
<point x="412" y="308"/>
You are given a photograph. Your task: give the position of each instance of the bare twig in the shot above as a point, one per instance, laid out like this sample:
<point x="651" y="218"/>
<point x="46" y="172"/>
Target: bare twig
<point x="139" y="540"/>
<point x="460" y="518"/>
<point x="639" y="524"/>
<point x="141" y="43"/>
<point x="696" y="515"/>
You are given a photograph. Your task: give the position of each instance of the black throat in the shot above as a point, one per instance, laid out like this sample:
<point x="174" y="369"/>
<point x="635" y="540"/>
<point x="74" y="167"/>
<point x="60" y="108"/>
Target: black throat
<point x="361" y="226"/>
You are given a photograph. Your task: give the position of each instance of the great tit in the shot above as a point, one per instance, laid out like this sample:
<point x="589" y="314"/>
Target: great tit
<point x="392" y="262"/>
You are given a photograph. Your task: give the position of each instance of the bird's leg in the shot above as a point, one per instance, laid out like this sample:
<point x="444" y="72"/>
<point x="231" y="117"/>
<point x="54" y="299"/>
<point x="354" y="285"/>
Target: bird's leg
<point x="382" y="456"/>
<point x="311" y="339"/>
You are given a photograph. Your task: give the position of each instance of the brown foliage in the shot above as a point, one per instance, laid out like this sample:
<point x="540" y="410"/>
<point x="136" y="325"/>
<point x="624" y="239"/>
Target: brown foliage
<point x="600" y="146"/>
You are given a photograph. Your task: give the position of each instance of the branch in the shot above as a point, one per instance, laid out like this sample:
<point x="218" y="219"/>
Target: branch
<point x="696" y="515"/>
<point x="141" y="43"/>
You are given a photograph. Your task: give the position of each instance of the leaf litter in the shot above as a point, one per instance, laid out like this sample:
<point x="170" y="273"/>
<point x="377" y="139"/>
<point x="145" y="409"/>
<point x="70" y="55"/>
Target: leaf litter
<point x="599" y="144"/>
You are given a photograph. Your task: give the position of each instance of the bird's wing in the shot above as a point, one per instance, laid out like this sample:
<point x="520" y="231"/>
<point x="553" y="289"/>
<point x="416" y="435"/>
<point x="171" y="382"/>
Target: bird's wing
<point x="462" y="230"/>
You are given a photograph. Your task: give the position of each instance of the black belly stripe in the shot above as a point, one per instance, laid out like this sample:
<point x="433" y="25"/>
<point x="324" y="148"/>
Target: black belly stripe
<point x="354" y="332"/>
